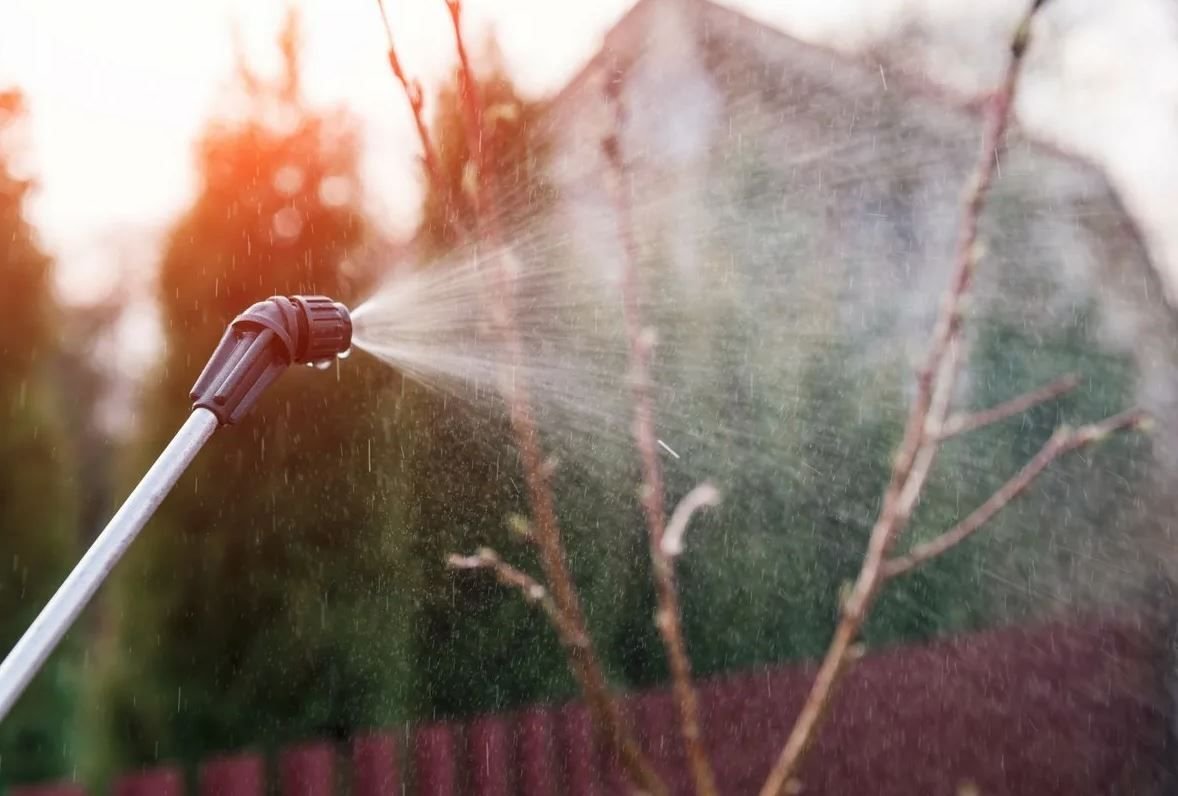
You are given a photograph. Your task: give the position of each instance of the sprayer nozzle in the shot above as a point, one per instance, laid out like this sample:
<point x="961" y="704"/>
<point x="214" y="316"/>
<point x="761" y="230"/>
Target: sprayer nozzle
<point x="263" y="342"/>
<point x="329" y="328"/>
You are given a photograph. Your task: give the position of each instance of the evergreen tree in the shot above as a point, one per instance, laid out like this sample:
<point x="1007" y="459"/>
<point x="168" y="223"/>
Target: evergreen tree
<point x="267" y="601"/>
<point x="465" y="482"/>
<point x="37" y="521"/>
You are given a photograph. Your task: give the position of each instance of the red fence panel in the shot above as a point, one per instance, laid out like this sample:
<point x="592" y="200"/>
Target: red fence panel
<point x="577" y="751"/>
<point x="661" y="737"/>
<point x="233" y="776"/>
<point x="537" y="770"/>
<point x="1050" y="709"/>
<point x="157" y="782"/>
<point x="488" y="744"/>
<point x="433" y="761"/>
<point x="1077" y="709"/>
<point x="308" y="770"/>
<point x="62" y="789"/>
<point x="376" y="766"/>
<point x="613" y="776"/>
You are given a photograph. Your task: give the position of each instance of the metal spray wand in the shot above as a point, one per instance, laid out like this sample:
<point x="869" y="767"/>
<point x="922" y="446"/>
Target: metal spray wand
<point x="257" y="347"/>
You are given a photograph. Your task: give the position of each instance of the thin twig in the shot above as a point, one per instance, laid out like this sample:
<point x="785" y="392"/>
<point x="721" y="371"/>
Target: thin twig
<point x="1063" y="441"/>
<point x="612" y="726"/>
<point x="966" y="422"/>
<point x="416" y="99"/>
<point x="923" y="429"/>
<point x="486" y="558"/>
<point x="703" y="496"/>
<point x="642" y="341"/>
<point x="530" y="588"/>
<point x="472" y="107"/>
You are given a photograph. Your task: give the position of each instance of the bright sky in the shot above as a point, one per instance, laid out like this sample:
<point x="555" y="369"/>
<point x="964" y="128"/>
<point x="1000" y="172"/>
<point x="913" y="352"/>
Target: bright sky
<point x="119" y="89"/>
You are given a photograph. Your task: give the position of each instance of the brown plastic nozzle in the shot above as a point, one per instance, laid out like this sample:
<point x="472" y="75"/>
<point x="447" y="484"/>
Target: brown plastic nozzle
<point x="264" y="341"/>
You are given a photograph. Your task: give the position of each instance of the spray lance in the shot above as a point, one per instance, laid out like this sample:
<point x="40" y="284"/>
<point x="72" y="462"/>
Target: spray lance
<point x="257" y="347"/>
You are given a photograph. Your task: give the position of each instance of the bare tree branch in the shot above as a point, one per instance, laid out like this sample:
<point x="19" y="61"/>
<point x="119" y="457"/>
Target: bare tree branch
<point x="528" y="587"/>
<point x="924" y="428"/>
<point x="964" y="423"/>
<point x="472" y="107"/>
<point x="642" y="340"/>
<point x="562" y="604"/>
<point x="612" y="726"/>
<point x="486" y="558"/>
<point x="1063" y="441"/>
<point x="413" y="93"/>
<point x="703" y="496"/>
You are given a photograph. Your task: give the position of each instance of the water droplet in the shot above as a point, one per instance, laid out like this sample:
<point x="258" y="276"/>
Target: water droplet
<point x="323" y="364"/>
<point x="345" y="354"/>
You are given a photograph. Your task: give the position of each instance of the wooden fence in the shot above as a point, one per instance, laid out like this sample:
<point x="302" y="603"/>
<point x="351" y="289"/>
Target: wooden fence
<point x="1035" y="710"/>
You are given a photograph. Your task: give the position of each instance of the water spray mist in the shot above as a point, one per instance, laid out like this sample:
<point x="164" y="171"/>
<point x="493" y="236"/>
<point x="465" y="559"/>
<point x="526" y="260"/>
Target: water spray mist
<point x="257" y="347"/>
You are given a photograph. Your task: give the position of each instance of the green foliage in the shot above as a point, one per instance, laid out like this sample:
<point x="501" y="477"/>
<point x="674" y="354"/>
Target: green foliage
<point x="513" y="154"/>
<point x="267" y="601"/>
<point x="478" y="647"/>
<point x="1048" y="547"/>
<point x="783" y="384"/>
<point x="37" y="512"/>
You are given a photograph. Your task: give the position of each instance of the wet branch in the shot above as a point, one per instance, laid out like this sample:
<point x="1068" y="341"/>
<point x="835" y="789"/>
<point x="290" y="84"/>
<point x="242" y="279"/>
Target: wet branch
<point x="642" y="341"/>
<point x="560" y="600"/>
<point x="1063" y="441"/>
<point x="964" y="423"/>
<point x="927" y="426"/>
<point x="612" y="727"/>
<point x="529" y="588"/>
<point x="472" y="117"/>
<point x="413" y="94"/>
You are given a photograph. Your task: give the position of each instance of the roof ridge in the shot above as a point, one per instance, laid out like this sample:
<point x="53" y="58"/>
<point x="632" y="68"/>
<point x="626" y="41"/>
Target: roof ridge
<point x="917" y="86"/>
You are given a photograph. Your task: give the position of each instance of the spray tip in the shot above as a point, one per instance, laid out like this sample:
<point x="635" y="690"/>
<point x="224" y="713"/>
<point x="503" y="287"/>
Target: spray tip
<point x="264" y="341"/>
<point x="328" y="330"/>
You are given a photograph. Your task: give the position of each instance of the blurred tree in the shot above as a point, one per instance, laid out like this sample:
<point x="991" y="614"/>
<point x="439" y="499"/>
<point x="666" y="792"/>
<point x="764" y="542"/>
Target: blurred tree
<point x="785" y="385"/>
<point x="37" y="511"/>
<point x="514" y="151"/>
<point x="465" y="481"/>
<point x="1052" y="546"/>
<point x="269" y="598"/>
<point x="795" y="421"/>
<point x="87" y="332"/>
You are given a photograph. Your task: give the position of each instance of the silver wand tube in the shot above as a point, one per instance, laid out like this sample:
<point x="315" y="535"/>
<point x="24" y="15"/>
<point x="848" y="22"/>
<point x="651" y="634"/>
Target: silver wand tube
<point x="60" y="613"/>
<point x="256" y="349"/>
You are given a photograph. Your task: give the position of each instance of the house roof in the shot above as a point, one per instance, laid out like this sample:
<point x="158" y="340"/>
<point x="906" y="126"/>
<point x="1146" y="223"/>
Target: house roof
<point x="714" y="24"/>
<point x="713" y="21"/>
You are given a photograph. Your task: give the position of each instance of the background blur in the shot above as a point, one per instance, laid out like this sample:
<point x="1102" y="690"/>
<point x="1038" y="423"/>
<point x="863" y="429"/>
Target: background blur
<point x="161" y="168"/>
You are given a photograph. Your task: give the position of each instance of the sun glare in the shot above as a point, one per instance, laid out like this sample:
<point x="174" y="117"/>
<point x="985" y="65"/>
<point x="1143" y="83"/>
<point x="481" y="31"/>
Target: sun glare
<point x="118" y="92"/>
